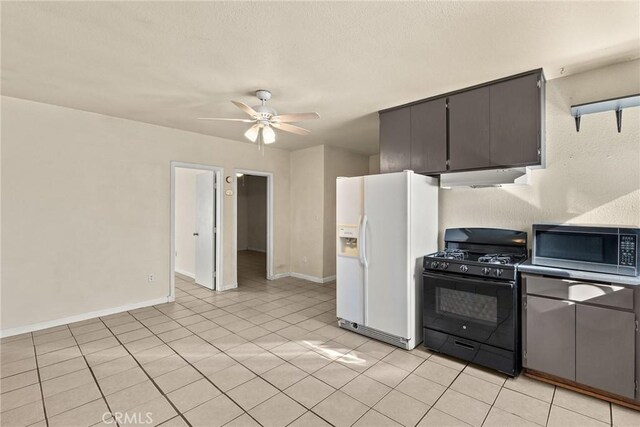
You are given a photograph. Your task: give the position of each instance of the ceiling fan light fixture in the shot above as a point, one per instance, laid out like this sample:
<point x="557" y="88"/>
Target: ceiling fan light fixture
<point x="252" y="133"/>
<point x="268" y="135"/>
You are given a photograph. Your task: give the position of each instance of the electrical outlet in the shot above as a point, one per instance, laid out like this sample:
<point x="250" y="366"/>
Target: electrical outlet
<point x="304" y="259"/>
<point x="151" y="277"/>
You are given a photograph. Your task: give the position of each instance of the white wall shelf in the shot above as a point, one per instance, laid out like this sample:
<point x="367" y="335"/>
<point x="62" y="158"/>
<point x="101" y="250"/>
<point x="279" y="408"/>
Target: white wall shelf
<point x="615" y="104"/>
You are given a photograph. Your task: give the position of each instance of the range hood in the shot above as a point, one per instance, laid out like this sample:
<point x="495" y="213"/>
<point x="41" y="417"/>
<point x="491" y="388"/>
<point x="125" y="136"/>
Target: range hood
<point x="485" y="178"/>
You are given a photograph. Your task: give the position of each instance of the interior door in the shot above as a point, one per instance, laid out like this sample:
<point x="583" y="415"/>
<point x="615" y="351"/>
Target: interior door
<point x="204" y="234"/>
<point x="386" y="210"/>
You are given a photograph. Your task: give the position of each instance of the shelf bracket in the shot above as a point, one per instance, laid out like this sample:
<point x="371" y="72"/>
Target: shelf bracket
<point x="614" y="104"/>
<point x="619" y="119"/>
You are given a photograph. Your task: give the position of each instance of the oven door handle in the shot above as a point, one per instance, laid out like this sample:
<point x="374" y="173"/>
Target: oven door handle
<point x="467" y="280"/>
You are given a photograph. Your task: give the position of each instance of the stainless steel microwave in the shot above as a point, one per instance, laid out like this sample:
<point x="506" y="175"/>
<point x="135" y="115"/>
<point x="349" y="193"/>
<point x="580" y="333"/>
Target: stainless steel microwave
<point x="611" y="250"/>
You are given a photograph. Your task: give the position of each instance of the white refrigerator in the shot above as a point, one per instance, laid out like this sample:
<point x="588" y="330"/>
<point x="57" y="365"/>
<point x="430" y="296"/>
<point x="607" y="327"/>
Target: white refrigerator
<point x="386" y="224"/>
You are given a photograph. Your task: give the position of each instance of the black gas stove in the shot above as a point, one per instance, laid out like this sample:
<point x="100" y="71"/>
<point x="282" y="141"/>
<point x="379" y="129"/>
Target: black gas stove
<point x="471" y="296"/>
<point x="499" y="265"/>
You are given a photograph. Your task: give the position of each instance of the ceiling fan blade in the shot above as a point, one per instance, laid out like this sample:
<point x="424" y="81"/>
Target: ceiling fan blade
<point x="228" y="120"/>
<point x="244" y="107"/>
<point x="290" y="128"/>
<point x="295" y="117"/>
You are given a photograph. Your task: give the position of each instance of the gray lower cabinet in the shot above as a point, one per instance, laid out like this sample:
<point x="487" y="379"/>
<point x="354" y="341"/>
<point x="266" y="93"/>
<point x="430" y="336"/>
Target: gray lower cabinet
<point x="605" y="349"/>
<point x="550" y="330"/>
<point x="395" y="140"/>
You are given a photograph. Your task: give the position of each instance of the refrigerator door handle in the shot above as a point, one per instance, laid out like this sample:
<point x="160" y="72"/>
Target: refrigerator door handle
<point x="360" y="231"/>
<point x="363" y="242"/>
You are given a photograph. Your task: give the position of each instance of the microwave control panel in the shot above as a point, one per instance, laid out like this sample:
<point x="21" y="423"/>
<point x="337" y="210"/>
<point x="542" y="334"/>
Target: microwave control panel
<point x="628" y="245"/>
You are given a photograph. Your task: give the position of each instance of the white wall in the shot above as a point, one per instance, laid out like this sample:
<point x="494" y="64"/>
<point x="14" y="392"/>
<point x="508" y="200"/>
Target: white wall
<point x="86" y="209"/>
<point x="307" y="215"/>
<point x="337" y="162"/>
<point x="252" y="213"/>
<point x="313" y="195"/>
<point x="591" y="177"/>
<point x="374" y="164"/>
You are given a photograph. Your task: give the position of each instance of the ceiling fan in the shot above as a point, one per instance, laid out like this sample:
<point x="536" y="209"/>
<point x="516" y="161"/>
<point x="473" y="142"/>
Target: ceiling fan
<point x="265" y="118"/>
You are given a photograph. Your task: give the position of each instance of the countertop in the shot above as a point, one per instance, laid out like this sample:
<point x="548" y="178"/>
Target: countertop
<point x="527" y="267"/>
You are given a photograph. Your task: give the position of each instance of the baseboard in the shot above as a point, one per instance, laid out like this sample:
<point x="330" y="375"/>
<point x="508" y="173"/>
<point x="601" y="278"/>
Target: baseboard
<point x="80" y="317"/>
<point x="185" y="273"/>
<point x="279" y="276"/>
<point x="314" y="279"/>
<point x="228" y="286"/>
<point x="264" y="251"/>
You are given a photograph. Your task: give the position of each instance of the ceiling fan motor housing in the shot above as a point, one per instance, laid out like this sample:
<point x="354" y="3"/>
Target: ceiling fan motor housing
<point x="263" y="95"/>
<point x="264" y="112"/>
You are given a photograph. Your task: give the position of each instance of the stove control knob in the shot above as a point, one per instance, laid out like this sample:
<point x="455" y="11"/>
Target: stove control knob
<point x="464" y="268"/>
<point x="435" y="264"/>
<point x="444" y="265"/>
<point x="486" y="271"/>
<point x="499" y="272"/>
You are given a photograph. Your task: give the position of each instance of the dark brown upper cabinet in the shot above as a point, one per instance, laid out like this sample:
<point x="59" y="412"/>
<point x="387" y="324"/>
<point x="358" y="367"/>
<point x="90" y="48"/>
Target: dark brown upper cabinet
<point x="515" y="121"/>
<point x="499" y="124"/>
<point x="429" y="137"/>
<point x="469" y="130"/>
<point x="395" y="140"/>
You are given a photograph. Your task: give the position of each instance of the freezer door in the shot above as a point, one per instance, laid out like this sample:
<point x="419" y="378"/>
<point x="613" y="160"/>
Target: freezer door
<point x="349" y="269"/>
<point x="387" y="272"/>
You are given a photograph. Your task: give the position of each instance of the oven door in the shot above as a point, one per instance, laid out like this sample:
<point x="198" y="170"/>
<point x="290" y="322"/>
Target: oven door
<point x="473" y="308"/>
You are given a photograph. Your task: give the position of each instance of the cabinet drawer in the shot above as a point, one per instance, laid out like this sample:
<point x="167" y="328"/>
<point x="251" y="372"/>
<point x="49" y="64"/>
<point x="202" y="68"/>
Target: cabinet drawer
<point x="580" y="291"/>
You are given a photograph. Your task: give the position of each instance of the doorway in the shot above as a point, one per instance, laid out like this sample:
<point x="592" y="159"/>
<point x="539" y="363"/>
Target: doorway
<point x="195" y="224"/>
<point x="253" y="225"/>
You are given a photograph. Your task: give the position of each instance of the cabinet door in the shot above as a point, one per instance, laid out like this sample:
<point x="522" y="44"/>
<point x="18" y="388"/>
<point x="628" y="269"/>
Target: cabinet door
<point x="550" y="336"/>
<point x="395" y="140"/>
<point x="429" y="136"/>
<point x="605" y="349"/>
<point x="469" y="125"/>
<point x="515" y="121"/>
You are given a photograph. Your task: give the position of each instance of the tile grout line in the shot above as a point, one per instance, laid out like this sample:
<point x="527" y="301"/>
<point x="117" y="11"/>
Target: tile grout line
<point x="104" y="398"/>
<point x="443" y="393"/>
<point x="553" y="396"/>
<point x="494" y="402"/>
<point x="35" y="357"/>
<point x="391" y="388"/>
<point x="147" y="374"/>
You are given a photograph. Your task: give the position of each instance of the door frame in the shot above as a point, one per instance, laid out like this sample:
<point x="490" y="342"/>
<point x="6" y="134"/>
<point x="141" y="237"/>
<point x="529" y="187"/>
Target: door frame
<point x="217" y="171"/>
<point x="269" y="176"/>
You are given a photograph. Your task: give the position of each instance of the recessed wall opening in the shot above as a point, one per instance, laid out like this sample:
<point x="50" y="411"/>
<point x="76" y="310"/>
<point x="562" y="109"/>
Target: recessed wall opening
<point x="253" y="226"/>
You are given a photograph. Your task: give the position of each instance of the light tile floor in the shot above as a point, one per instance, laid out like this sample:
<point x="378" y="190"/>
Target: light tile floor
<point x="268" y="353"/>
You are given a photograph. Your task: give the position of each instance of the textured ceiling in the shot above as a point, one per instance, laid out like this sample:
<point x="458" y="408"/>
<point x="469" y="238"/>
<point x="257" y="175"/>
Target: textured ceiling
<point x="169" y="62"/>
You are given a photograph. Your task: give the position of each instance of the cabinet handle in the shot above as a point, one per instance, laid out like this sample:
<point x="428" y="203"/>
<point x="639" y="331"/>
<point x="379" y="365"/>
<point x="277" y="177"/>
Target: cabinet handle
<point x="464" y="345"/>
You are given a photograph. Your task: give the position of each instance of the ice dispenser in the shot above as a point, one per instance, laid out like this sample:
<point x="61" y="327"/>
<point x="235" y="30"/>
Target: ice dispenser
<point x="348" y="236"/>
